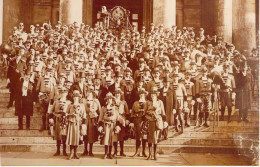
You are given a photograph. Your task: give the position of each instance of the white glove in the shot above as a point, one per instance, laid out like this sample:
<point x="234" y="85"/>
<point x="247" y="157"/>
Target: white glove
<point x="174" y="111"/>
<point x="131" y="125"/>
<point x="233" y="95"/>
<point x="100" y="129"/>
<point x="127" y="122"/>
<point x="192" y="102"/>
<point x="199" y="100"/>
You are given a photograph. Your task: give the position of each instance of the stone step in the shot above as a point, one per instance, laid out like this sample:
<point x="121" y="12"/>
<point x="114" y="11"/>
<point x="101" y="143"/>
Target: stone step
<point x="25" y="133"/>
<point x="10" y="114"/>
<point x="245" y="143"/>
<point x="162" y="149"/>
<point x="214" y="135"/>
<point x="211" y="135"/>
<point x="37" y="120"/>
<point x="227" y="129"/>
<point x="37" y="126"/>
<point x="15" y="126"/>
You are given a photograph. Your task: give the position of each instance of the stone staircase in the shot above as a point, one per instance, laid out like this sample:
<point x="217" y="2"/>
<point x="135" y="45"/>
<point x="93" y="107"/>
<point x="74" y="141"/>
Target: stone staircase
<point x="234" y="137"/>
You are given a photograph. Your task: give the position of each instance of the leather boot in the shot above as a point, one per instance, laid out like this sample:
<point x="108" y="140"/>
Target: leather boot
<point x="206" y="119"/>
<point x="28" y="120"/>
<point x="150" y="151"/>
<point x="75" y="152"/>
<point x="64" y="148"/>
<point x="137" y="145"/>
<point x="122" y="149"/>
<point x="58" y="148"/>
<point x="43" y="123"/>
<point x="85" y="153"/>
<point x="229" y="114"/>
<point x="110" y="153"/>
<point x="71" y="152"/>
<point x="201" y="119"/>
<point x="106" y="149"/>
<point x="115" y="149"/>
<point x="188" y="120"/>
<point x="143" y="147"/>
<point x="90" y="150"/>
<point x="155" y="151"/>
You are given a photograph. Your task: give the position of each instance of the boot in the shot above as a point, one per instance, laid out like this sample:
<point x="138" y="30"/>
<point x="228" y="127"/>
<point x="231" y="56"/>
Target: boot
<point x="85" y="153"/>
<point x="10" y="104"/>
<point x="20" y="122"/>
<point x="106" y="149"/>
<point x="90" y="150"/>
<point x="115" y="149"/>
<point x="201" y="119"/>
<point x="75" y="152"/>
<point x="43" y="123"/>
<point x="71" y="152"/>
<point x="155" y="151"/>
<point x="188" y="120"/>
<point x="222" y="113"/>
<point x="64" y="149"/>
<point x="122" y="149"/>
<point x="137" y="145"/>
<point x="196" y="120"/>
<point x="110" y="151"/>
<point x="28" y="120"/>
<point x="143" y="147"/>
<point x="150" y="151"/>
<point x="58" y="148"/>
<point x="206" y="119"/>
<point x="229" y="114"/>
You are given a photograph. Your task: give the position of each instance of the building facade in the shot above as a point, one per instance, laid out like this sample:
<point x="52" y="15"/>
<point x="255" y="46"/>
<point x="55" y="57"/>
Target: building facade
<point x="235" y="20"/>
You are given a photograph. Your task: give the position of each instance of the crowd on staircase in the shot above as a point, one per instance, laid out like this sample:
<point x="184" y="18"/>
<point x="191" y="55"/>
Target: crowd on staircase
<point x="90" y="84"/>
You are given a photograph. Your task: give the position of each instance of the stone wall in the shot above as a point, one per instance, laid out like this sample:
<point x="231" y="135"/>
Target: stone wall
<point x="12" y="16"/>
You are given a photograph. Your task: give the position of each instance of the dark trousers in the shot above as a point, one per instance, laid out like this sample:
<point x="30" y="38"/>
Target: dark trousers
<point x="20" y="121"/>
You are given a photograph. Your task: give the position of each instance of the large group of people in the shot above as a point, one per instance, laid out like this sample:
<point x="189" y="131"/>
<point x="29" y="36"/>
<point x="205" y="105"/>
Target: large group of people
<point x="90" y="84"/>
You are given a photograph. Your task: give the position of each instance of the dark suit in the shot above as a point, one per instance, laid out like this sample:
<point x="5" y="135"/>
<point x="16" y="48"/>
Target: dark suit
<point x="14" y="73"/>
<point x="76" y="86"/>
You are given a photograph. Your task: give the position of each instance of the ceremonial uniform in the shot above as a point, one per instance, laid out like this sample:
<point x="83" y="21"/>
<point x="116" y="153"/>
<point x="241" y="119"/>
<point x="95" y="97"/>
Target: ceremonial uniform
<point x="58" y="112"/>
<point x="108" y="119"/>
<point x="226" y="90"/>
<point x="44" y="87"/>
<point x="76" y="115"/>
<point x="203" y="93"/>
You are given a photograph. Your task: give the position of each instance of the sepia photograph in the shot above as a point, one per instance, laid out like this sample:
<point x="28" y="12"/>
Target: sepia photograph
<point x="129" y="83"/>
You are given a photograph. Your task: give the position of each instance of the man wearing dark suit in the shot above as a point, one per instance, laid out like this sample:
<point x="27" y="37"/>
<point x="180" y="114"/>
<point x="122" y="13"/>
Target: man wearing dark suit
<point x="80" y="85"/>
<point x="15" y="71"/>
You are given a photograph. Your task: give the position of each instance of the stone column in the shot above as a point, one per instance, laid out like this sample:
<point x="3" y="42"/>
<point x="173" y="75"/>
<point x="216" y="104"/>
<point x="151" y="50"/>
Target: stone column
<point x="87" y="12"/>
<point x="71" y="11"/>
<point x="223" y="19"/>
<point x="244" y="25"/>
<point x="1" y="20"/>
<point x="164" y="12"/>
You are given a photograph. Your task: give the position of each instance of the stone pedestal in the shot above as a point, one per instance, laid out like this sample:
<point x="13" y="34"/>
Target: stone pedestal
<point x="71" y="11"/>
<point x="223" y="19"/>
<point x="164" y="12"/>
<point x="244" y="25"/>
<point x="1" y="20"/>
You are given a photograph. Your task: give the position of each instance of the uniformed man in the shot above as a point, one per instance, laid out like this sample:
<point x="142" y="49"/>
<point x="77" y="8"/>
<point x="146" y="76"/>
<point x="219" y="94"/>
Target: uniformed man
<point x="203" y="93"/>
<point x="226" y="90"/>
